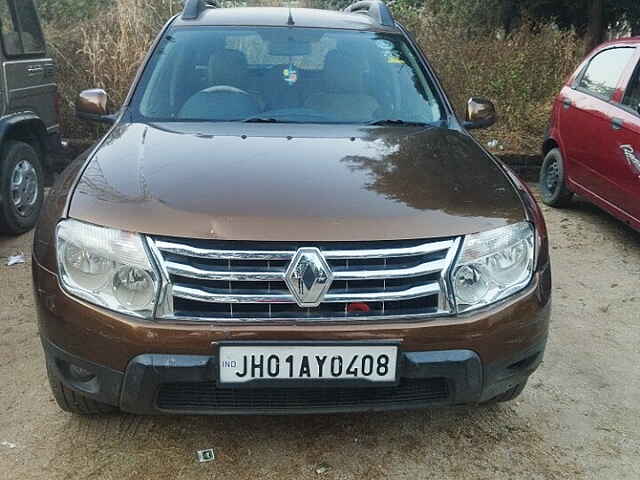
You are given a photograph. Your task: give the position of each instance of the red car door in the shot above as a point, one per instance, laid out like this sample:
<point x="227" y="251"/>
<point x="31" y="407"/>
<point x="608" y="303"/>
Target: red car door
<point x="625" y="153"/>
<point x="586" y="119"/>
<point x="578" y="128"/>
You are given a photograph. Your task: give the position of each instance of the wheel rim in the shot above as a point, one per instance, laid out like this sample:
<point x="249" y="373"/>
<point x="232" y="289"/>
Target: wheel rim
<point x="24" y="188"/>
<point x="552" y="176"/>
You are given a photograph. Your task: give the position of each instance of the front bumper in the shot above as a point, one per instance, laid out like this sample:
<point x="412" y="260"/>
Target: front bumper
<point x="185" y="384"/>
<point x="158" y="367"/>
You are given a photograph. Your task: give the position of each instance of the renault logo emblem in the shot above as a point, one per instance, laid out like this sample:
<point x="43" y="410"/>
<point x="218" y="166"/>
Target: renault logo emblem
<point x="308" y="277"/>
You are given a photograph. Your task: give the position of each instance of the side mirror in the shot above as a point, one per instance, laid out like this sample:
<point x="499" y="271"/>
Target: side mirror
<point x="92" y="106"/>
<point x="481" y="113"/>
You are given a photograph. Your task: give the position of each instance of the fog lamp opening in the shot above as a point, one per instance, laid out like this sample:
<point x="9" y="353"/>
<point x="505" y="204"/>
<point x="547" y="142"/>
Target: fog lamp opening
<point x="80" y="374"/>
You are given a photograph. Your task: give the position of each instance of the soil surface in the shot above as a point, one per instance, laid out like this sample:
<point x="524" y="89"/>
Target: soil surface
<point x="578" y="418"/>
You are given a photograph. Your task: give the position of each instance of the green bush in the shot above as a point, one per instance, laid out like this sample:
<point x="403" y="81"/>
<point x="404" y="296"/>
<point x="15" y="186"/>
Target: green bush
<point x="521" y="73"/>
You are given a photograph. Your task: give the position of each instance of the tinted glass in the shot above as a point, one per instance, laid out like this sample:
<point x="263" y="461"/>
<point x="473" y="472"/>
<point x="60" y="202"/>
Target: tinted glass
<point x="302" y="75"/>
<point x="10" y="35"/>
<point x="632" y="94"/>
<point x="30" y="31"/>
<point x="21" y="32"/>
<point x="604" y="71"/>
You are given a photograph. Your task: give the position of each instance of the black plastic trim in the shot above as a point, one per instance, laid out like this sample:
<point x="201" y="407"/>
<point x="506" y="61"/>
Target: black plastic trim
<point x="376" y="9"/>
<point x="193" y="8"/>
<point x="136" y="390"/>
<point x="461" y="368"/>
<point x="103" y="387"/>
<point x="506" y="374"/>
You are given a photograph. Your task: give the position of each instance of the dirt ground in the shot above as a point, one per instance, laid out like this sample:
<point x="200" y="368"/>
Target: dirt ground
<point x="579" y="417"/>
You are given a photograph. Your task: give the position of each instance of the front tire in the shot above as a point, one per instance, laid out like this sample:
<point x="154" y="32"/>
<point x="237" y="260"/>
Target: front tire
<point x="21" y="187"/>
<point x="553" y="181"/>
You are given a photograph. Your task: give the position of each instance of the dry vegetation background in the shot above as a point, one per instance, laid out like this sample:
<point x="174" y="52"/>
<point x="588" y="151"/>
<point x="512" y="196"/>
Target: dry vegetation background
<point x="521" y="73"/>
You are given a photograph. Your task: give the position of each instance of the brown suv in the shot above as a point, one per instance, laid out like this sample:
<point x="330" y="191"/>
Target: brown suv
<point x="287" y="216"/>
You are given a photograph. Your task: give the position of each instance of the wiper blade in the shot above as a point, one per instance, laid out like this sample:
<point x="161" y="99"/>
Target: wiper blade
<point x="396" y="122"/>
<point x="262" y="120"/>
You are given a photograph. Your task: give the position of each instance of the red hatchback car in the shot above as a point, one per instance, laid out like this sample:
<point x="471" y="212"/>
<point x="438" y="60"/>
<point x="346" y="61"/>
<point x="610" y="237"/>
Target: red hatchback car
<point x="592" y="147"/>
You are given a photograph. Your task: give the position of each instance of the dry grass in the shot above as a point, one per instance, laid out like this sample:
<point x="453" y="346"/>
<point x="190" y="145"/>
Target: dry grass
<point x="105" y="52"/>
<point x="521" y="73"/>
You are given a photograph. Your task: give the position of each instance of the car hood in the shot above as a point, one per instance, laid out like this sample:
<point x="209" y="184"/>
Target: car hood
<point x="293" y="182"/>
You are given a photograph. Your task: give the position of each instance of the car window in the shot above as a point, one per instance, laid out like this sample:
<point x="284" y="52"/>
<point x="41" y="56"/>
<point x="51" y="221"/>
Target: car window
<point x="21" y="32"/>
<point x="604" y="71"/>
<point x="10" y="35"/>
<point x="301" y="75"/>
<point x="632" y="93"/>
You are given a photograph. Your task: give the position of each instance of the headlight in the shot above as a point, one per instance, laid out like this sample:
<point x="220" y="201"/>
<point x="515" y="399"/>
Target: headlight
<point x="493" y="265"/>
<point x="107" y="267"/>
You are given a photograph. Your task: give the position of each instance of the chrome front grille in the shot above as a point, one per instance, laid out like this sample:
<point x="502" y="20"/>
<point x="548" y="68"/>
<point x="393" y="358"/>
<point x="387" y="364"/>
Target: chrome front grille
<point x="245" y="281"/>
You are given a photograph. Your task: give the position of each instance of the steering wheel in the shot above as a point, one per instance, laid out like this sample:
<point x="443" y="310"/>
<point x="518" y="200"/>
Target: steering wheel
<point x="223" y="88"/>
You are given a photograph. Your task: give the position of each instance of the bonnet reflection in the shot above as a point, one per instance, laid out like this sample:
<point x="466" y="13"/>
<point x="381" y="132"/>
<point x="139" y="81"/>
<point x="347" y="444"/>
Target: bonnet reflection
<point x="434" y="169"/>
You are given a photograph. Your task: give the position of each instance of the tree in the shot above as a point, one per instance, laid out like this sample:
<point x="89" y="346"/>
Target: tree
<point x="632" y="14"/>
<point x="510" y="15"/>
<point x="597" y="26"/>
<point x="590" y="19"/>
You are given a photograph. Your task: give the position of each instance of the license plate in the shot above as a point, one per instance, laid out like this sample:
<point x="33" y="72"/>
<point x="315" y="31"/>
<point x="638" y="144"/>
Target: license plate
<point x="240" y="364"/>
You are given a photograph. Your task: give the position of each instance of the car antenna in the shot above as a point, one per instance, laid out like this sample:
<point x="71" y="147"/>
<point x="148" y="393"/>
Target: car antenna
<point x="290" y="19"/>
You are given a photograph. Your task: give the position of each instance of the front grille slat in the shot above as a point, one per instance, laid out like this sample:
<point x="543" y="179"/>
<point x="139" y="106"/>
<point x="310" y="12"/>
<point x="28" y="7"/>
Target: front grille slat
<point x="421" y="249"/>
<point x="383" y="296"/>
<point x="219" y="296"/>
<point x="270" y="275"/>
<point x="191" y="251"/>
<point x="351" y="273"/>
<point x="185" y="270"/>
<point x="245" y="281"/>
<point x="341" y="296"/>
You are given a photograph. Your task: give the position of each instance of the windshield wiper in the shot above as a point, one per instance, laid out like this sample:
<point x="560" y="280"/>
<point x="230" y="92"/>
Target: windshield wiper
<point x="261" y="120"/>
<point x="392" y="122"/>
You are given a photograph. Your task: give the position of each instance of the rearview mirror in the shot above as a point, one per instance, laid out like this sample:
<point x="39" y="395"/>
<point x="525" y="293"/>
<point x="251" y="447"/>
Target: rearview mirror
<point x="289" y="49"/>
<point x="481" y="113"/>
<point x="92" y="106"/>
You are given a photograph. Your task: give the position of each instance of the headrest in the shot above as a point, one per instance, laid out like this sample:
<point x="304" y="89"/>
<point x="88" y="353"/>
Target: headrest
<point x="228" y="67"/>
<point x="342" y="73"/>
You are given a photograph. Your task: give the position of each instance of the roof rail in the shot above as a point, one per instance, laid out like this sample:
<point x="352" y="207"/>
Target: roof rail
<point x="193" y="8"/>
<point x="376" y="9"/>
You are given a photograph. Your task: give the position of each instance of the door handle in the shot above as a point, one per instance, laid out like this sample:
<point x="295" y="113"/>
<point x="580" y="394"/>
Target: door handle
<point x="566" y="102"/>
<point x="34" y="69"/>
<point x="617" y="123"/>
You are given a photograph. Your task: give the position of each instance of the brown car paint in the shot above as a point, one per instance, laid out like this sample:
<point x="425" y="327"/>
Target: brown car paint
<point x="311" y="183"/>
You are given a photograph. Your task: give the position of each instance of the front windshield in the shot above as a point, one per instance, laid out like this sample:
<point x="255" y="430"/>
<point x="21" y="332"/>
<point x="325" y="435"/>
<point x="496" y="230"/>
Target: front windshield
<point x="280" y="74"/>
